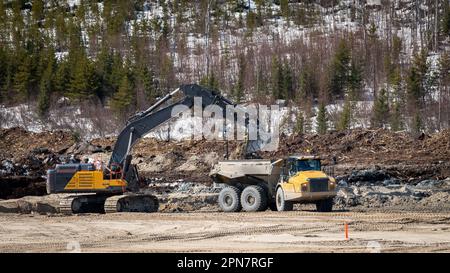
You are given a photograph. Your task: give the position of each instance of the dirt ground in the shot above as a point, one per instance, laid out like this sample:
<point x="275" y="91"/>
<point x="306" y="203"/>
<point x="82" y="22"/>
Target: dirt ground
<point x="297" y="231"/>
<point x="394" y="192"/>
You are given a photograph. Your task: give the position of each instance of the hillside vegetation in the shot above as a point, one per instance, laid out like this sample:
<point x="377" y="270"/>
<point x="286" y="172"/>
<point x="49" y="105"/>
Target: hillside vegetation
<point x="340" y="64"/>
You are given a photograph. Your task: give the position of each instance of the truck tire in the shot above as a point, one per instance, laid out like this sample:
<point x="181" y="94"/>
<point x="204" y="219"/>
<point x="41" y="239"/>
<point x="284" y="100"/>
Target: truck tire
<point x="273" y="206"/>
<point x="229" y="199"/>
<point x="282" y="204"/>
<point x="254" y="198"/>
<point x="325" y="205"/>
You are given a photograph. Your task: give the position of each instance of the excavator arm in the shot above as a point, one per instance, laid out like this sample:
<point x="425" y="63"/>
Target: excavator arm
<point x="142" y="123"/>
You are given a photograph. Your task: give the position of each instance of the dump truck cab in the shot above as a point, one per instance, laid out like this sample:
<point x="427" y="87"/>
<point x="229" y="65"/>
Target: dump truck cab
<point x="303" y="181"/>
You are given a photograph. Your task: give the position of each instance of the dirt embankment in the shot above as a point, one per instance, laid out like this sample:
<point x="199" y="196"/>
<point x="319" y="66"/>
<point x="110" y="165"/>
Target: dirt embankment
<point x="26" y="156"/>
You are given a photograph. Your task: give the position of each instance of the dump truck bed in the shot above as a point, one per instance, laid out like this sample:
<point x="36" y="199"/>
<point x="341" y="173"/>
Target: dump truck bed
<point x="244" y="171"/>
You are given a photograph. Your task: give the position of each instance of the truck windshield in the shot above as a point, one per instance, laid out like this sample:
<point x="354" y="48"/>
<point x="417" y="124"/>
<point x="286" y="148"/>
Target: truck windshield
<point x="308" y="165"/>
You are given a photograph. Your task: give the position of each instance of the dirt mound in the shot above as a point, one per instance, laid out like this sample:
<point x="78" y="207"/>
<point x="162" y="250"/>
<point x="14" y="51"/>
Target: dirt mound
<point x="397" y="154"/>
<point x="19" y="143"/>
<point x="364" y="146"/>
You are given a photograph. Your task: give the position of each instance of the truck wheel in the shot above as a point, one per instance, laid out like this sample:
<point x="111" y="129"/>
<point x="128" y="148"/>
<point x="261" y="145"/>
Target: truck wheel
<point x="282" y="204"/>
<point x="325" y="205"/>
<point x="273" y="206"/>
<point x="253" y="198"/>
<point x="229" y="199"/>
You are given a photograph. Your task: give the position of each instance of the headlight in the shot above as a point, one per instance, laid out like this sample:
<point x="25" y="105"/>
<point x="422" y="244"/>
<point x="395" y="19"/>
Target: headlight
<point x="332" y="185"/>
<point x="305" y="187"/>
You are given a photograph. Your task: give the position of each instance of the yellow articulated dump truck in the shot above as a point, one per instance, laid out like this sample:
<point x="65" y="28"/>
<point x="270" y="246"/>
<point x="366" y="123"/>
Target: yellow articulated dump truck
<point x="255" y="185"/>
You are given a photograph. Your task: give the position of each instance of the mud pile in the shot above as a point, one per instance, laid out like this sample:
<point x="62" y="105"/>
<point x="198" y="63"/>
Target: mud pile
<point x="363" y="146"/>
<point x="25" y="156"/>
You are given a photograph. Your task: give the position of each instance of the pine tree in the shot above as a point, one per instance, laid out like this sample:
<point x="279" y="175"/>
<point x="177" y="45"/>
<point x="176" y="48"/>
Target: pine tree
<point x="281" y="80"/>
<point x="308" y="87"/>
<point x="284" y="6"/>
<point x="445" y="21"/>
<point x="396" y="117"/>
<point x="251" y="22"/>
<point x="83" y="80"/>
<point x="380" y="110"/>
<point x="275" y="78"/>
<point x="4" y="64"/>
<point x="37" y="10"/>
<point x="61" y="77"/>
<point x="355" y="79"/>
<point x="122" y="101"/>
<point x="300" y="123"/>
<point x="22" y="79"/>
<point x="339" y="69"/>
<point x="150" y="84"/>
<point x="287" y="84"/>
<point x="417" y="123"/>
<point x="239" y="87"/>
<point x="416" y="78"/>
<point x="345" y="117"/>
<point x="322" y="120"/>
<point x="46" y="87"/>
<point x="210" y="82"/>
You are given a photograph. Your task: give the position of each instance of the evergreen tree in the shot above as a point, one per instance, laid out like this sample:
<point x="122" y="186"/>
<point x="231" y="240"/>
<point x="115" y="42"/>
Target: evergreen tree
<point x="380" y="110"/>
<point x="284" y="6"/>
<point x="417" y="123"/>
<point x="287" y="85"/>
<point x="300" y="123"/>
<point x="281" y="81"/>
<point x="445" y="21"/>
<point x="251" y="22"/>
<point x="150" y="84"/>
<point x="46" y="87"/>
<point x="37" y="10"/>
<point x="322" y="120"/>
<point x="308" y="86"/>
<point x="275" y="78"/>
<point x="396" y="117"/>
<point x="444" y="68"/>
<point x="416" y="78"/>
<point x="123" y="99"/>
<point x="339" y="69"/>
<point x="83" y="80"/>
<point x="210" y="82"/>
<point x="62" y="77"/>
<point x="346" y="115"/>
<point x="239" y="87"/>
<point x="355" y="79"/>
<point x="22" y="79"/>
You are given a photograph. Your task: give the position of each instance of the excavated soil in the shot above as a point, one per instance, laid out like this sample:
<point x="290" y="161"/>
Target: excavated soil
<point x="25" y="156"/>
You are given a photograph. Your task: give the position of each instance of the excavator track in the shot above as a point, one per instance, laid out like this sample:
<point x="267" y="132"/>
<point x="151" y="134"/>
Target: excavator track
<point x="82" y="204"/>
<point x="65" y="205"/>
<point x="131" y="203"/>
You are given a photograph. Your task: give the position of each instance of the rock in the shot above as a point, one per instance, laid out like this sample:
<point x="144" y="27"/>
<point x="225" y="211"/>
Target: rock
<point x="40" y="151"/>
<point x="390" y="182"/>
<point x="373" y="175"/>
<point x="45" y="208"/>
<point x="9" y="207"/>
<point x="24" y="206"/>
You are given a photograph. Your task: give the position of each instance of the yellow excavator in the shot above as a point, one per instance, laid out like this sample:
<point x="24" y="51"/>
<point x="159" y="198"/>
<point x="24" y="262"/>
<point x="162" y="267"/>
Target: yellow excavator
<point x="115" y="187"/>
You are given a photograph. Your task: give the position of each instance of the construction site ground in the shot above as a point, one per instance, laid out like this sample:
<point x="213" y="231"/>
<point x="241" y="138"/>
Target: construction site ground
<point x="297" y="231"/>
